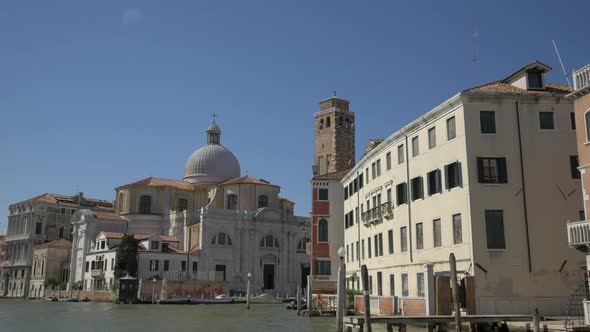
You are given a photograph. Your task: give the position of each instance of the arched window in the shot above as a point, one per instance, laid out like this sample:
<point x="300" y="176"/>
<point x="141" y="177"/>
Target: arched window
<point x="302" y="245"/>
<point x="262" y="201"/>
<point x="321" y="123"/>
<point x="232" y="202"/>
<point x="328" y="122"/>
<point x="339" y="121"/>
<point x="347" y="123"/>
<point x="145" y="204"/>
<point x="121" y="202"/>
<point x="182" y="204"/>
<point x="323" y="230"/>
<point x="221" y="239"/>
<point x="587" y="119"/>
<point x="269" y="241"/>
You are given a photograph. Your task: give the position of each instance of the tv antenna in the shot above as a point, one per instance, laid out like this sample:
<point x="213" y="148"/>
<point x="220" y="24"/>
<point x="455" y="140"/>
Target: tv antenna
<point x="475" y="59"/>
<point x="561" y="63"/>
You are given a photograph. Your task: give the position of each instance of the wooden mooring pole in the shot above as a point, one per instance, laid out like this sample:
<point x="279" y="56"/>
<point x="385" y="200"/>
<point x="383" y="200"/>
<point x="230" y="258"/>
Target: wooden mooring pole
<point x="455" y="291"/>
<point x="298" y="300"/>
<point x="366" y="299"/>
<point x="536" y="321"/>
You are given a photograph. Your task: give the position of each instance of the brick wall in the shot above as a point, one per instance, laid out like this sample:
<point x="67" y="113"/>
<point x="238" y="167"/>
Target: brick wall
<point x="94" y="296"/>
<point x="386" y="305"/>
<point x="413" y="307"/>
<point x="194" y="288"/>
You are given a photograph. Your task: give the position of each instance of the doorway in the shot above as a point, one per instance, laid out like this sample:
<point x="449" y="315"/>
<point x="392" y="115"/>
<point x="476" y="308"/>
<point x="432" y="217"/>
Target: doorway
<point x="220" y="272"/>
<point x="268" y="275"/>
<point x="304" y="273"/>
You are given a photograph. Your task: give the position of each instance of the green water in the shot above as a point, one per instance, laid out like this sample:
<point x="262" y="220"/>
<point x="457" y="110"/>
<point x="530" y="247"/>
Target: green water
<point x="27" y="315"/>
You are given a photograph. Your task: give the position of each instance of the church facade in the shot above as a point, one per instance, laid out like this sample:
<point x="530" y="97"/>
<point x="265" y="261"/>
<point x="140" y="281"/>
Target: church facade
<point x="227" y="225"/>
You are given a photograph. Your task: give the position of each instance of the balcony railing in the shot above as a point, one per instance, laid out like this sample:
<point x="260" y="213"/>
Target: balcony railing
<point x="578" y="234"/>
<point x="376" y="214"/>
<point x="97" y="273"/>
<point x="582" y="77"/>
<point x="387" y="210"/>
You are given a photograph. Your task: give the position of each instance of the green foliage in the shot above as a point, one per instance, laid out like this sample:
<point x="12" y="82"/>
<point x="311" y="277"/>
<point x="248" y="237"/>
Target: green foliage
<point x="62" y="285"/>
<point x="51" y="282"/>
<point x="77" y="286"/>
<point x="353" y="292"/>
<point x="155" y="276"/>
<point x="126" y="262"/>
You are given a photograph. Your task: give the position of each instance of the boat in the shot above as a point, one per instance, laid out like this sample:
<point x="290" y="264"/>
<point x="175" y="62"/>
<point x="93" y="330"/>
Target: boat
<point x="198" y="301"/>
<point x="51" y="299"/>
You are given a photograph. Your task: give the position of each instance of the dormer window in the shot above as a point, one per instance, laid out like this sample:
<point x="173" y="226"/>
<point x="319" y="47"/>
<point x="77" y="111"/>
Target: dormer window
<point x="155" y="245"/>
<point x="535" y="79"/>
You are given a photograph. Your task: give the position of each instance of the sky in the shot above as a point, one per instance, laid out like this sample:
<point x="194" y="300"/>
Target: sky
<point x="97" y="94"/>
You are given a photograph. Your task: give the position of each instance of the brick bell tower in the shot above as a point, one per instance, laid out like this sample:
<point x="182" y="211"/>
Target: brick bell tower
<point x="334" y="136"/>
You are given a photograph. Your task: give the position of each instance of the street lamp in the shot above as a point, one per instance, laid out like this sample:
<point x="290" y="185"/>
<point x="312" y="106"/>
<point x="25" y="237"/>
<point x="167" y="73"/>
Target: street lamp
<point x="154" y="290"/>
<point x="340" y="291"/>
<point x="248" y="292"/>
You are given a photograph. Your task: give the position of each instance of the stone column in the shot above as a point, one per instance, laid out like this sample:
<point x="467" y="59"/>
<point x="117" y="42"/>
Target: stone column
<point x="429" y="296"/>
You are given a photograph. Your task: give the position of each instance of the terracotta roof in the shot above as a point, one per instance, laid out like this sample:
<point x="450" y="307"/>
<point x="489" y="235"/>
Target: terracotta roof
<point x="338" y="175"/>
<point x="56" y="243"/>
<point x="108" y="215"/>
<point x="70" y="200"/>
<point x="500" y="87"/>
<point x="172" y="250"/>
<point x="159" y="182"/>
<point x="248" y="180"/>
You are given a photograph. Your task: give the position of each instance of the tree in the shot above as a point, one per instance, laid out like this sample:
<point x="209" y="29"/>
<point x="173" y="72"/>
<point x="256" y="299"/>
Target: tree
<point x="126" y="262"/>
<point x="51" y="282"/>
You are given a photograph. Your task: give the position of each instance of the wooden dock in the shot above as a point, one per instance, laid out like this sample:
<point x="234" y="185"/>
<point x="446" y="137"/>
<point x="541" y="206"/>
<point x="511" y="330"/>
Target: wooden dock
<point x="475" y="322"/>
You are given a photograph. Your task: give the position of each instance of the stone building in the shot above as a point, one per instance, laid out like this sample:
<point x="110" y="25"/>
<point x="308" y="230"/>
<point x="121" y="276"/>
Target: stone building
<point x="35" y="221"/>
<point x="334" y="134"/>
<point x="231" y="225"/>
<point x="489" y="175"/>
<point x="2" y="259"/>
<point x="50" y="264"/>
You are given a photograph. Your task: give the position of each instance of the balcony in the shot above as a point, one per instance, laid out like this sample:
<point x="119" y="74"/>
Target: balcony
<point x="376" y="214"/>
<point x="387" y="210"/>
<point x="97" y="273"/>
<point x="578" y="235"/>
<point x="582" y="78"/>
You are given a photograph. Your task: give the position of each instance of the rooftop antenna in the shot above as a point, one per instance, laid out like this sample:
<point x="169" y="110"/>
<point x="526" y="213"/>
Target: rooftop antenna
<point x="561" y="62"/>
<point x="475" y="59"/>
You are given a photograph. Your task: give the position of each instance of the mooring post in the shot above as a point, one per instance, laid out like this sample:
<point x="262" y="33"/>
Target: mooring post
<point x="455" y="291"/>
<point x="536" y="323"/>
<point x="298" y="297"/>
<point x="248" y="292"/>
<point x="366" y="300"/>
<point x="340" y="291"/>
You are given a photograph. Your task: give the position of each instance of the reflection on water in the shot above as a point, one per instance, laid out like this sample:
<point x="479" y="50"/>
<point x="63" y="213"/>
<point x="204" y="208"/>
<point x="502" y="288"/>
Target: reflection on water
<point x="23" y="315"/>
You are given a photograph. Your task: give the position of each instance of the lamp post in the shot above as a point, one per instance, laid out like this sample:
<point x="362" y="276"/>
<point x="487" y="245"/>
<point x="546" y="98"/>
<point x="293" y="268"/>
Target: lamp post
<point x="248" y="292"/>
<point x="154" y="291"/>
<point x="340" y="291"/>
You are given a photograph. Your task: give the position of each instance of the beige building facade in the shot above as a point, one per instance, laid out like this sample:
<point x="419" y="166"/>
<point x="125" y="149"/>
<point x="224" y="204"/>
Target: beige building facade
<point x="486" y="175"/>
<point x="50" y="269"/>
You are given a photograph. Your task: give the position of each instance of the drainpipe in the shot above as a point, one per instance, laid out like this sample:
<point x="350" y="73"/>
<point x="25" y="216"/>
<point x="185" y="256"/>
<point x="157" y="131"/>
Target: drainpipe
<point x="524" y="203"/>
<point x="409" y="201"/>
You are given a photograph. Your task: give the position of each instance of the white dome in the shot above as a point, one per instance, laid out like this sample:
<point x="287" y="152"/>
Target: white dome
<point x="212" y="163"/>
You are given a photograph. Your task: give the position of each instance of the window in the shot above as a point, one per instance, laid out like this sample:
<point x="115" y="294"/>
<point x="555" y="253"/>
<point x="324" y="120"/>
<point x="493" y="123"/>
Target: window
<point x="380" y="244"/>
<point x="391" y="285"/>
<point x="453" y="175"/>
<point x="328" y="122"/>
<point x="378" y="167"/>
<point x="155" y="245"/>
<point x="535" y="80"/>
<point x="390" y="241"/>
<point x="419" y="236"/>
<point x="457" y="229"/>
<point x="362" y="249"/>
<point x="370" y="284"/>
<point x="436" y="231"/>
<point x="232" y="202"/>
<point x="321" y="123"/>
<point x="302" y="245"/>
<point x="369" y="247"/>
<point x="87" y="266"/>
<point x="417" y="188"/>
<point x="546" y="120"/>
<point x="358" y="250"/>
<point x="432" y="138"/>
<point x="166" y="265"/>
<point x="404" y="238"/>
<point x="347" y="254"/>
<point x="402" y="193"/>
<point x="420" y="284"/>
<point x="183" y="266"/>
<point x="581" y="215"/>
<point x="451" y="130"/>
<point x="492" y="170"/>
<point x="145" y="204"/>
<point x="487" y="122"/>
<point x="38" y="226"/>
<point x="574" y="164"/>
<point x="195" y="267"/>
<point x="269" y="241"/>
<point x="379" y="284"/>
<point x="345" y="192"/>
<point x="322" y="268"/>
<point x="415" y="147"/>
<point x="262" y="201"/>
<point x="434" y="182"/>
<point x="400" y="154"/>
<point x="182" y="204"/>
<point x="221" y="239"/>
<point x="361" y="180"/>
<point x="323" y="230"/>
<point x="103" y="244"/>
<point x="61" y="232"/>
<point x="573" y="120"/>
<point x="495" y="229"/>
<point x="388" y="161"/>
<point x="121" y="202"/>
<point x="323" y="194"/>
<point x="154" y="265"/>
<point x="587" y="119"/>
<point x="405" y="291"/>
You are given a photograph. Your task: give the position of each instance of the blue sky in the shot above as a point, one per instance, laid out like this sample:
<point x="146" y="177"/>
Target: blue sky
<point x="96" y="94"/>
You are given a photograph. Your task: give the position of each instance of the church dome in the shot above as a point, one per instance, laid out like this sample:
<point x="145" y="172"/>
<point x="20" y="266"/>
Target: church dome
<point x="212" y="163"/>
